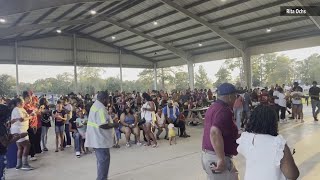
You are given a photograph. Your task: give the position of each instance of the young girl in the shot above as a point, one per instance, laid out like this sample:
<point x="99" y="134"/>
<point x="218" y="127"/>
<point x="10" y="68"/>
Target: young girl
<point x="113" y="117"/>
<point x="81" y="123"/>
<point x="20" y="124"/>
<point x="172" y="134"/>
<point x="60" y="116"/>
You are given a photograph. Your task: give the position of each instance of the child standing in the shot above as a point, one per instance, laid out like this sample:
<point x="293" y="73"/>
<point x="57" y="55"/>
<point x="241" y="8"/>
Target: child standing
<point x="81" y="123"/>
<point x="20" y="124"/>
<point x="60" y="117"/>
<point x="172" y="134"/>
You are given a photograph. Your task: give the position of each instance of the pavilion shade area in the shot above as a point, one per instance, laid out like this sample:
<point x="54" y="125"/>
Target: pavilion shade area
<point x="150" y="33"/>
<point x="59" y="51"/>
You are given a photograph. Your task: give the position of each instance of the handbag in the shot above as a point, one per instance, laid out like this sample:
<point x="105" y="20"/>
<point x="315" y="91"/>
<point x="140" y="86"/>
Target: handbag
<point x="143" y="120"/>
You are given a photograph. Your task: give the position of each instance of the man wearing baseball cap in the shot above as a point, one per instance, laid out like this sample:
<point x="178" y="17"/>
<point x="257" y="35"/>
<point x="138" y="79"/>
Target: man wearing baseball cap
<point x="220" y="135"/>
<point x="314" y="92"/>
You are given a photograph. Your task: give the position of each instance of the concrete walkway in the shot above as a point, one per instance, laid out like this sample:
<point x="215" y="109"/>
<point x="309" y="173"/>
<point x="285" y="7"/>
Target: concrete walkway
<point x="179" y="162"/>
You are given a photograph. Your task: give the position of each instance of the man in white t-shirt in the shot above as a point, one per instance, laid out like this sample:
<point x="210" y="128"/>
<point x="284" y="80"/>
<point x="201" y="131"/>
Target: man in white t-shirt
<point x="282" y="102"/>
<point x="296" y="96"/>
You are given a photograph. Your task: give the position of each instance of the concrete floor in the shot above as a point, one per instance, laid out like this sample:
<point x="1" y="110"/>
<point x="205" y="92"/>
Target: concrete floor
<point x="181" y="161"/>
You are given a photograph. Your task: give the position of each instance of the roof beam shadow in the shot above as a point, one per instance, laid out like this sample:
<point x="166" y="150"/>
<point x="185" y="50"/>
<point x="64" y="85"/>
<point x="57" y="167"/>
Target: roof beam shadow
<point x="214" y="28"/>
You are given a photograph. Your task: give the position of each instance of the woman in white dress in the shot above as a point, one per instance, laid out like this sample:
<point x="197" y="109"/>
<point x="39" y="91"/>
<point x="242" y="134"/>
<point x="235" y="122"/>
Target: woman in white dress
<point x="267" y="155"/>
<point x="146" y="113"/>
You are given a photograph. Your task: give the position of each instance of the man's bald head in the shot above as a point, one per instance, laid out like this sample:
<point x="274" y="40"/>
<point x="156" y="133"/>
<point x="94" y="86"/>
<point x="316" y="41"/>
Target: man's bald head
<point x="103" y="97"/>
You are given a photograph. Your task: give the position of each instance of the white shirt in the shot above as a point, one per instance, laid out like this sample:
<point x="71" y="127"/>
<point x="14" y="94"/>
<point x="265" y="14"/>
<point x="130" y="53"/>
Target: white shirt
<point x="282" y="101"/>
<point x="146" y="114"/>
<point x="160" y="120"/>
<point x="95" y="136"/>
<point x="19" y="127"/>
<point x="296" y="97"/>
<point x="263" y="154"/>
<point x="275" y="93"/>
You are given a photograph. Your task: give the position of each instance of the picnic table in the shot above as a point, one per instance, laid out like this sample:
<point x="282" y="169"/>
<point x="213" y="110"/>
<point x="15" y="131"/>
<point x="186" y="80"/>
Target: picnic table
<point x="200" y="113"/>
<point x="199" y="109"/>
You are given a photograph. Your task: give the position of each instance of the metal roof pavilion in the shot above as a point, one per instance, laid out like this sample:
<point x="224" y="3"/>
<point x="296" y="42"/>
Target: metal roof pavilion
<point x="150" y="33"/>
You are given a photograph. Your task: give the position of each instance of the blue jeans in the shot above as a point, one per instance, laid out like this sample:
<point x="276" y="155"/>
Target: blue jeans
<point x="77" y="141"/>
<point x="315" y="105"/>
<point x="44" y="136"/>
<point x="68" y="137"/>
<point x="3" y="163"/>
<point x="103" y="163"/>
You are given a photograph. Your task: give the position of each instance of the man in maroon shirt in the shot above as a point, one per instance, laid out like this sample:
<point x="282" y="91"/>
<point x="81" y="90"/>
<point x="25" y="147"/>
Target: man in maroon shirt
<point x="220" y="135"/>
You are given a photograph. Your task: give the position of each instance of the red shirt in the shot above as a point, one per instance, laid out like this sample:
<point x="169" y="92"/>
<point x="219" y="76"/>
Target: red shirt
<point x="220" y="115"/>
<point x="34" y="120"/>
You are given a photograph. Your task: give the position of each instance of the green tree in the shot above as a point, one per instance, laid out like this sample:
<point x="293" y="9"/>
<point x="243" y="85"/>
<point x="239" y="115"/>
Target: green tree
<point x="282" y="72"/>
<point x="112" y="84"/>
<point x="202" y="80"/>
<point x="182" y="81"/>
<point x="90" y="80"/>
<point x="223" y="75"/>
<point x="308" y="70"/>
<point x="236" y="63"/>
<point x="7" y="85"/>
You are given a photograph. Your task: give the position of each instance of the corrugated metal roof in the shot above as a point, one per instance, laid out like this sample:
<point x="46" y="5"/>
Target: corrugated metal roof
<point x="95" y="26"/>
<point x="57" y="13"/>
<point x="242" y="19"/>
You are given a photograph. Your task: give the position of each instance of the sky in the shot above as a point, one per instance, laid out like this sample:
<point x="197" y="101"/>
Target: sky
<point x="29" y="74"/>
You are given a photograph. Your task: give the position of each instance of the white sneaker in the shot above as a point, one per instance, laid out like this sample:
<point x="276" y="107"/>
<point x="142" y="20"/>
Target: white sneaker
<point x="33" y="159"/>
<point x="67" y="146"/>
<point x="78" y="154"/>
<point x="139" y="144"/>
<point x="128" y="144"/>
<point x="281" y="121"/>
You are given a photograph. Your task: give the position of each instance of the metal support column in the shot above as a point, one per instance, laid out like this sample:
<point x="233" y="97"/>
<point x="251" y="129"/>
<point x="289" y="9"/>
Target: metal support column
<point x="155" y="76"/>
<point x="191" y="74"/>
<point x="120" y="63"/>
<point x="246" y="59"/>
<point x="17" y="68"/>
<point x="75" y="63"/>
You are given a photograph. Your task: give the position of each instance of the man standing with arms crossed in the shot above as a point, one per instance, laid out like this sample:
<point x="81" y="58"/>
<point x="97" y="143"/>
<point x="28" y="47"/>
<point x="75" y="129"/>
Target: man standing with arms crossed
<point x="314" y="92"/>
<point x="99" y="134"/>
<point x="220" y="135"/>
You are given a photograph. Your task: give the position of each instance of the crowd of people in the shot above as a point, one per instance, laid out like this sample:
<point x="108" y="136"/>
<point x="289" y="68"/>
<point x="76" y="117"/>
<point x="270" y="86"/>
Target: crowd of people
<point x="266" y="153"/>
<point x="99" y="121"/>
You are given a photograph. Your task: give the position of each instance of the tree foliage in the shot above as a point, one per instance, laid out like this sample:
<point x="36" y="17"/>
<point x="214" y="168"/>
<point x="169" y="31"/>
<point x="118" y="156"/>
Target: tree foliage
<point x="267" y="69"/>
<point x="7" y="85"/>
<point x="202" y="79"/>
<point x="223" y="75"/>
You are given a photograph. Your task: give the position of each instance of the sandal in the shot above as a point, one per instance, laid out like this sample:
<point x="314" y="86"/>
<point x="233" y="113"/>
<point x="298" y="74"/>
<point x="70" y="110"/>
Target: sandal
<point x="116" y="146"/>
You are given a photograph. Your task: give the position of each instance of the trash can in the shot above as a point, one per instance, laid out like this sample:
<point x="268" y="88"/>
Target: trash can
<point x="12" y="155"/>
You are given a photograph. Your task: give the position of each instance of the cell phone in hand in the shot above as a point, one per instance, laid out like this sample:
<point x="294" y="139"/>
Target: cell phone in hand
<point x="214" y="164"/>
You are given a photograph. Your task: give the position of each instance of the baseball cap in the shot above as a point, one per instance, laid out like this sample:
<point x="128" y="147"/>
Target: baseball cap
<point x="314" y="82"/>
<point x="226" y="89"/>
